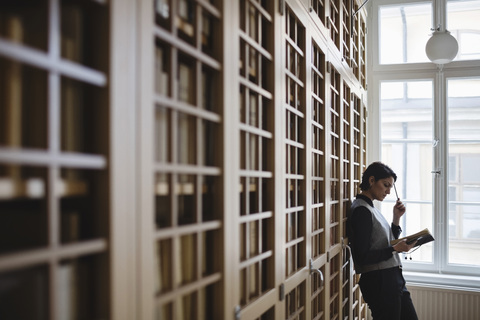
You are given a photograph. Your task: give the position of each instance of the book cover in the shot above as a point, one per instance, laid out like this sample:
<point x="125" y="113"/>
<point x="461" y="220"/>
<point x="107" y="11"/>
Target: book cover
<point x="421" y="237"/>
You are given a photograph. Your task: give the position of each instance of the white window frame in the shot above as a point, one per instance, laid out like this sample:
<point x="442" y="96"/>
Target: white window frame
<point x="439" y="272"/>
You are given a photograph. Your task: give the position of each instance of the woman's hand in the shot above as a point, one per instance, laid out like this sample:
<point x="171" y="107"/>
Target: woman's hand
<point x="402" y="246"/>
<point x="398" y="211"/>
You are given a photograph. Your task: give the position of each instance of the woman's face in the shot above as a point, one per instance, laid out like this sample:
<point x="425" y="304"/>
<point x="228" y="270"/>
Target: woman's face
<point x="381" y="188"/>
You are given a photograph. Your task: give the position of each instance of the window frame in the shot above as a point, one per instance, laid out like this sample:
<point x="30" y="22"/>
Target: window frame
<point x="439" y="272"/>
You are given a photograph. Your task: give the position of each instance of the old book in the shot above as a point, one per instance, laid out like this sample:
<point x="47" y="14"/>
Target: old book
<point x="162" y="134"/>
<point x="161" y="76"/>
<point x="72" y="37"/>
<point x="67" y="291"/>
<point x="11" y="115"/>
<point x="185" y="19"/>
<point x="186" y="83"/>
<point x="421" y="237"/>
<point x="70" y="226"/>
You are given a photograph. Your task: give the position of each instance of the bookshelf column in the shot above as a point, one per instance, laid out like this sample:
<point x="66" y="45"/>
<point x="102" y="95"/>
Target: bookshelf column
<point x="183" y="119"/>
<point x="53" y="160"/>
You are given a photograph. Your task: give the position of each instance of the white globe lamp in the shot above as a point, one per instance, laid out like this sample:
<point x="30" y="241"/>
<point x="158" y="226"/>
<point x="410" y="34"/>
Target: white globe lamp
<point x="442" y="47"/>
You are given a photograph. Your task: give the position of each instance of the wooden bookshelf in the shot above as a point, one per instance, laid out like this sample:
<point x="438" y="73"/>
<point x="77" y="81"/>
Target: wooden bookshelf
<point x="335" y="22"/>
<point x="314" y="127"/>
<point x="318" y="117"/>
<point x="180" y="159"/>
<point x="346" y="22"/>
<point x="256" y="169"/>
<point x="320" y="7"/>
<point x="53" y="167"/>
<point x="186" y="170"/>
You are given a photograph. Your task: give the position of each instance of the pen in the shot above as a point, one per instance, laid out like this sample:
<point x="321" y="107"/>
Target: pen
<point x="394" y="187"/>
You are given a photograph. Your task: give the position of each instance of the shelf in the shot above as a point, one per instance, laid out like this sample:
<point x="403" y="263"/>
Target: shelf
<point x="35" y="188"/>
<point x="45" y="255"/>
<point x="41" y="60"/>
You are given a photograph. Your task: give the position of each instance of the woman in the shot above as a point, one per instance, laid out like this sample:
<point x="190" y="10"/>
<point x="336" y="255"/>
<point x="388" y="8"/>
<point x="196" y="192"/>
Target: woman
<point x="381" y="282"/>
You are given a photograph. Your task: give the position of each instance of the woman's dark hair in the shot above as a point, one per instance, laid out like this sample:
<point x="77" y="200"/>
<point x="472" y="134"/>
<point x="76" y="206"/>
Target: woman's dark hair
<point x="379" y="171"/>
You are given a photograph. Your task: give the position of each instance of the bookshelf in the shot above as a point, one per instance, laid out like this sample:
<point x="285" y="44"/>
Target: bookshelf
<point x="314" y="124"/>
<point x="335" y="22"/>
<point x="318" y="150"/>
<point x="180" y="159"/>
<point x="295" y="108"/>
<point x="319" y="7"/>
<point x="355" y="45"/>
<point x="362" y="55"/>
<point x="346" y="30"/>
<point x="185" y="173"/>
<point x="318" y="65"/>
<point x="255" y="219"/>
<point x="53" y="160"/>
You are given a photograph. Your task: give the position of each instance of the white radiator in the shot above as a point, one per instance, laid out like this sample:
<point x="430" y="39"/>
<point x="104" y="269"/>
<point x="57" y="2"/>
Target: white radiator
<point x="434" y="303"/>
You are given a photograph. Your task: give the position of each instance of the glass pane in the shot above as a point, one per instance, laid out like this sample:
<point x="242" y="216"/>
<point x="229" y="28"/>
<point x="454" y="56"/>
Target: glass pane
<point x="162" y="134"/>
<point x="411" y="25"/>
<point x="163" y="266"/>
<point x="23" y="208"/>
<point x="162" y="69"/>
<point x="162" y="14"/>
<point x="163" y="207"/>
<point x="464" y="156"/>
<point x="81" y="212"/>
<point x="188" y="258"/>
<point x="406" y="127"/>
<point x="463" y="23"/>
<point x="187" y="139"/>
<point x="24" y="293"/>
<point x="209" y="189"/>
<point x="185" y="21"/>
<point x="25" y="22"/>
<point x="83" y="117"/>
<point x="469" y="171"/>
<point x="83" y="32"/>
<point x="419" y="217"/>
<point x="186" y="199"/>
<point x="79" y="288"/>
<point x="23" y="105"/>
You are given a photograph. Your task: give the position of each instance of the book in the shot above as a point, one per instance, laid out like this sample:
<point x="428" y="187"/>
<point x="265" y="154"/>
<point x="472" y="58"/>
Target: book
<point x="161" y="75"/>
<point x="66" y="285"/>
<point x="421" y="237"/>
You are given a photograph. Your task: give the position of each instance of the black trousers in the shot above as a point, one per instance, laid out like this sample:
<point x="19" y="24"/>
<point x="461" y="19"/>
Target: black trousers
<point x="386" y="295"/>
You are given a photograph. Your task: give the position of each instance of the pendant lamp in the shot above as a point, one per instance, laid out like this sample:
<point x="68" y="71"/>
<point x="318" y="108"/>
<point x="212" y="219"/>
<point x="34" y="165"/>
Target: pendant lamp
<point x="442" y="47"/>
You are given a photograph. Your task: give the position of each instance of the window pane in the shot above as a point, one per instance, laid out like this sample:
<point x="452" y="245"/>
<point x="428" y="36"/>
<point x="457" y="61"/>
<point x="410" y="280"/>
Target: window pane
<point x="464" y="156"/>
<point x="406" y="122"/>
<point x="469" y="170"/>
<point x="404" y="31"/>
<point x="463" y="23"/>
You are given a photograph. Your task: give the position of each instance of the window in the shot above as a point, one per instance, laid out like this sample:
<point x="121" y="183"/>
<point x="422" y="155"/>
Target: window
<point x="406" y="120"/>
<point x="464" y="176"/>
<point x="428" y="130"/>
<point x="404" y="30"/>
<point x="463" y="24"/>
<point x="412" y="24"/>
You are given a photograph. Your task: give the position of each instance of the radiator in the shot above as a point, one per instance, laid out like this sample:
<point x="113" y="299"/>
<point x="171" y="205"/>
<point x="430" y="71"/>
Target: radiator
<point x="434" y="303"/>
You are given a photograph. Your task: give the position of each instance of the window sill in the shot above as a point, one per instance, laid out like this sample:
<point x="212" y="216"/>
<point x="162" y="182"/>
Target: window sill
<point x="454" y="282"/>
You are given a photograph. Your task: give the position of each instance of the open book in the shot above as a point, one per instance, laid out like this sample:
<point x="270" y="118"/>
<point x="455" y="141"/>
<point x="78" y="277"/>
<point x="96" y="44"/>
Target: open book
<point x="421" y="237"/>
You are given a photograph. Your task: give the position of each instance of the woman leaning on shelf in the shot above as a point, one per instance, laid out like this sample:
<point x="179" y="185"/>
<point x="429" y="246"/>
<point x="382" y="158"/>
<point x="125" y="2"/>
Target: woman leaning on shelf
<point x="381" y="282"/>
